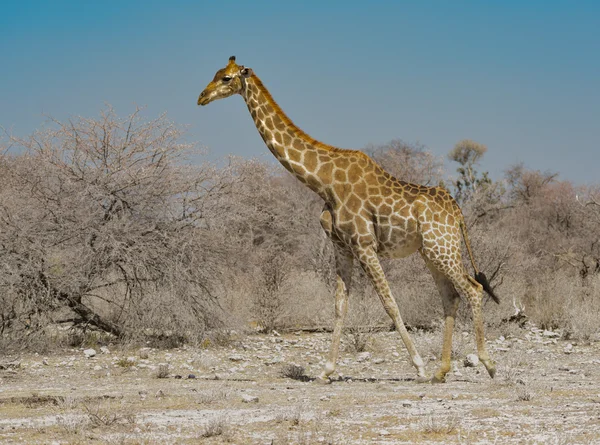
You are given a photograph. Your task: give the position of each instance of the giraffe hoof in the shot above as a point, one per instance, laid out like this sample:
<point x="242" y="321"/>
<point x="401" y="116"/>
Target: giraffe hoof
<point x="423" y="379"/>
<point x="490" y="366"/>
<point x="438" y="379"/>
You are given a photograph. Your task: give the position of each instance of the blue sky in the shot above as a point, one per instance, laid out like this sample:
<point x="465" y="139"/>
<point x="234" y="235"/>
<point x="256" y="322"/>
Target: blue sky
<point x="522" y="77"/>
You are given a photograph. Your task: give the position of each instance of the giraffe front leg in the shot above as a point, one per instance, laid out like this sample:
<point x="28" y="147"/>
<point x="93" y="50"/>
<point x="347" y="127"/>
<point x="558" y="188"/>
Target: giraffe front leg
<point x="372" y="267"/>
<point x="344" y="264"/>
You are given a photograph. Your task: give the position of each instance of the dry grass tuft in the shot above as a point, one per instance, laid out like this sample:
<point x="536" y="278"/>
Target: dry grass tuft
<point x="293" y="372"/>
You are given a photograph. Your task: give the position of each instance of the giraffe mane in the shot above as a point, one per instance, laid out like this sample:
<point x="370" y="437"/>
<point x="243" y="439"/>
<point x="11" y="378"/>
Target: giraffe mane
<point x="301" y="133"/>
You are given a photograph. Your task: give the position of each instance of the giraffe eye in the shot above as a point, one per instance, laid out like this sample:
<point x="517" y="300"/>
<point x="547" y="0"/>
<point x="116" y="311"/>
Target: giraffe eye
<point x="226" y="78"/>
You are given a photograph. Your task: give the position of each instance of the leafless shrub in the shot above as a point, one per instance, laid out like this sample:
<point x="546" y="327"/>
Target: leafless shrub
<point x="408" y="162"/>
<point x="162" y="372"/>
<point x="108" y="413"/>
<point x="290" y="414"/>
<point x="217" y="426"/>
<point x="104" y="225"/>
<point x="213" y="395"/>
<point x="435" y="424"/>
<point x="524" y="394"/>
<point x="294" y="372"/>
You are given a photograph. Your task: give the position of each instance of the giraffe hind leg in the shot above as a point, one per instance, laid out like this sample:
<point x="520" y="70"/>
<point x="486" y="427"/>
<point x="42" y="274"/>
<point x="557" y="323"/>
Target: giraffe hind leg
<point x="467" y="286"/>
<point x="450" y="302"/>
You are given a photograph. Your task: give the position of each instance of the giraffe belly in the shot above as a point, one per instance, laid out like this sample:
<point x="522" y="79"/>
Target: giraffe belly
<point x="399" y="245"/>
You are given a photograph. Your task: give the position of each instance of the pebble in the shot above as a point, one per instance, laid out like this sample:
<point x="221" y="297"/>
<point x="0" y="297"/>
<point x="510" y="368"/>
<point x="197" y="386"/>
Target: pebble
<point x="247" y="398"/>
<point x="471" y="360"/>
<point x="384" y="433"/>
<point x="104" y="350"/>
<point x="236" y="358"/>
<point x="89" y="353"/>
<point x="378" y="361"/>
<point x="363" y="357"/>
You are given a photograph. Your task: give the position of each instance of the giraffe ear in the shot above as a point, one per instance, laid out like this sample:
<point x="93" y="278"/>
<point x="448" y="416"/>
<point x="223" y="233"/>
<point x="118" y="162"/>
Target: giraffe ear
<point x="245" y="72"/>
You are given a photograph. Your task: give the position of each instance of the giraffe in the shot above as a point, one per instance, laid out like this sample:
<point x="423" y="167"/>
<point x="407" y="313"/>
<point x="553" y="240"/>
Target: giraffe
<point x="369" y="214"/>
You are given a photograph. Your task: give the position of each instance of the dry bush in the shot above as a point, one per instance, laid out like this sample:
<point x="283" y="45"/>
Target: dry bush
<point x="162" y="372"/>
<point x="408" y="162"/>
<point x="213" y="395"/>
<point x="103" y="224"/>
<point x="294" y="372"/>
<point x="217" y="426"/>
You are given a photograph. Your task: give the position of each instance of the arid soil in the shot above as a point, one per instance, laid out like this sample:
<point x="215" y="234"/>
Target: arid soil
<point x="546" y="391"/>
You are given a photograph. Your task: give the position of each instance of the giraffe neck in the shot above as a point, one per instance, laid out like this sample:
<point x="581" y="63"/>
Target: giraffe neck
<point x="294" y="149"/>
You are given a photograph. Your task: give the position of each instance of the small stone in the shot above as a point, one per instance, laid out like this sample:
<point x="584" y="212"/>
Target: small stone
<point x="325" y="398"/>
<point x="247" y="398"/>
<point x="384" y="433"/>
<point x="191" y="376"/>
<point x="177" y="376"/>
<point x="45" y="362"/>
<point x="471" y="360"/>
<point x="97" y="368"/>
<point x="273" y="361"/>
<point x="131" y="359"/>
<point x="454" y="396"/>
<point x="104" y="350"/>
<point x="406" y="404"/>
<point x="378" y="361"/>
<point x="89" y="353"/>
<point x="363" y="357"/>
<point x="569" y="349"/>
<point x="550" y="334"/>
<point x="236" y="358"/>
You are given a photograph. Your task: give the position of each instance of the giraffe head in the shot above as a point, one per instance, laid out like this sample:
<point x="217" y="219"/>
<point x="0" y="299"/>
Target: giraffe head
<point x="227" y="82"/>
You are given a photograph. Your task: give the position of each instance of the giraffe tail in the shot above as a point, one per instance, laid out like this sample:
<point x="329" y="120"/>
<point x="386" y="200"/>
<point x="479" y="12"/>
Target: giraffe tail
<point x="479" y="276"/>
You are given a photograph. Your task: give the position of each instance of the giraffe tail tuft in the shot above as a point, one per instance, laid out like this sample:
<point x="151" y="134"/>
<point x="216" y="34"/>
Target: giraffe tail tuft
<point x="482" y="279"/>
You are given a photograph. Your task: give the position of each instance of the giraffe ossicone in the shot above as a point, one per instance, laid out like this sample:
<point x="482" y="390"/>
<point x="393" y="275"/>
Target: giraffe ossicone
<point x="368" y="214"/>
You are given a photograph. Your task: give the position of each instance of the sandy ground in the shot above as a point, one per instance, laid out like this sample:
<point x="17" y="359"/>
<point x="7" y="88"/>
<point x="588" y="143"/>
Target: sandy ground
<point x="547" y="391"/>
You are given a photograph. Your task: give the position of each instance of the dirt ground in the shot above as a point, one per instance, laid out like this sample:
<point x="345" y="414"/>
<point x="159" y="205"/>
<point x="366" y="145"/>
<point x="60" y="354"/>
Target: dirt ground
<point x="546" y="391"/>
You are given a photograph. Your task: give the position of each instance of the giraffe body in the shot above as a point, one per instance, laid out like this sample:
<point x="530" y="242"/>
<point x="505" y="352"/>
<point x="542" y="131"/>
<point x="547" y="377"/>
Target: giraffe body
<point x="367" y="213"/>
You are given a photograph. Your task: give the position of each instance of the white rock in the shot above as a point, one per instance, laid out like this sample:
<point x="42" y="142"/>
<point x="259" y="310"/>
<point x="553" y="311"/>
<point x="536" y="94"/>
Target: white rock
<point x="471" y="360"/>
<point x="378" y="361"/>
<point x="247" y="398"/>
<point x="363" y="357"/>
<point x="97" y="368"/>
<point x="384" y="433"/>
<point x="104" y="350"/>
<point x="89" y="353"/>
<point x="236" y="358"/>
<point x="569" y="349"/>
<point x="550" y="334"/>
